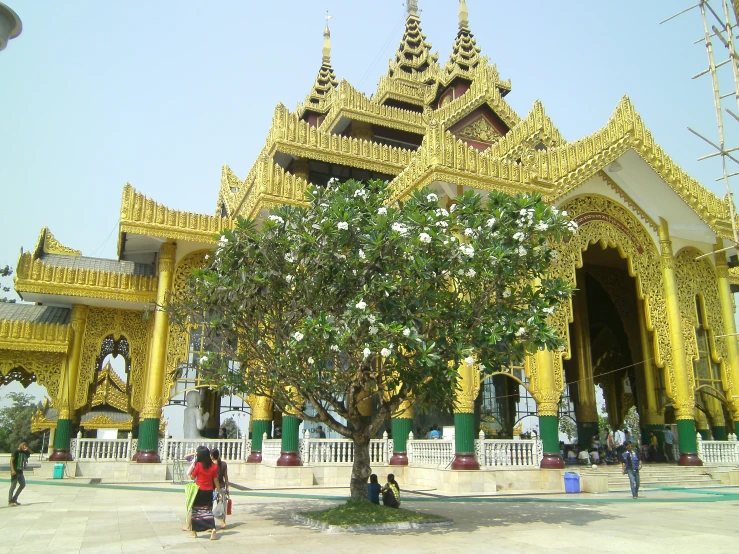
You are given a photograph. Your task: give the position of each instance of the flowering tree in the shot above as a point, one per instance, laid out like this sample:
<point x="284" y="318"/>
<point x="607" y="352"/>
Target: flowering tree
<point x="354" y="296"/>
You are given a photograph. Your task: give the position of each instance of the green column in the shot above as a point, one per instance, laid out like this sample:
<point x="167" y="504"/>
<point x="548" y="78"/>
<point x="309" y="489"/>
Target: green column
<point x="401" y="429"/>
<point x="720" y="433"/>
<point x="61" y="441"/>
<point x="258" y="428"/>
<point x="736" y="427"/>
<point x="464" y="442"/>
<point x="687" y="443"/>
<point x="289" y="455"/>
<point x="549" y="434"/>
<point x="705" y="434"/>
<point x="149" y="435"/>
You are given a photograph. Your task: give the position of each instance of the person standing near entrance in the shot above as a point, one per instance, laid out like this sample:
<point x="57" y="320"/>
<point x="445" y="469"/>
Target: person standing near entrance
<point x="18" y="462"/>
<point x="669" y="444"/>
<point x="631" y="464"/>
<point x="618" y="442"/>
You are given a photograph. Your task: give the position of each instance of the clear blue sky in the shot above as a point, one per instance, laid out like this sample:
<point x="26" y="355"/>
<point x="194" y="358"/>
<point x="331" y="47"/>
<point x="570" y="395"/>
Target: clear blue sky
<point x="95" y="93"/>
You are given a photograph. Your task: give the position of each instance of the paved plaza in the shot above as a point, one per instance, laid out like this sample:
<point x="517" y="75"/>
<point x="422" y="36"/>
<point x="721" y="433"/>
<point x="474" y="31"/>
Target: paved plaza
<point x="73" y="516"/>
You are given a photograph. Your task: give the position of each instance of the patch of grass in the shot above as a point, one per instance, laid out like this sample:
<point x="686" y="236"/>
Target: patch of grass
<point x="365" y="513"/>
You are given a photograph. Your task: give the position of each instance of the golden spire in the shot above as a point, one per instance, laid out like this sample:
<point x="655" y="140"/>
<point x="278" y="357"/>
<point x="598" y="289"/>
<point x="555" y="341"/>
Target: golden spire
<point x="413" y="59"/>
<point x="326" y="79"/>
<point x="465" y="53"/>
<point x="464" y="15"/>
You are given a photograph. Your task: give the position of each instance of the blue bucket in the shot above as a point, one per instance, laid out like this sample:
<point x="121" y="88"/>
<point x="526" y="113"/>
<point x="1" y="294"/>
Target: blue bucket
<point x="572" y="483"/>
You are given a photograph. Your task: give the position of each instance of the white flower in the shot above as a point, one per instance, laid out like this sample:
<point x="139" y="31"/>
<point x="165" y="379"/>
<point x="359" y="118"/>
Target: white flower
<point x="573" y="226"/>
<point x="555" y="255"/>
<point x="541" y="226"/>
<point x="333" y="180"/>
<point x="400" y="228"/>
<point x="371" y="318"/>
<point x="441" y="212"/>
<point x="298" y="336"/>
<point x="424" y="237"/>
<point x="442" y="224"/>
<point x="334" y="348"/>
<point x="372" y="330"/>
<point x="521" y="331"/>
<point x="469" y="232"/>
<point x="277" y="219"/>
<point x="490" y="222"/>
<point x="361" y="305"/>
<point x="564" y="213"/>
<point x="316" y="226"/>
<point x="471" y="272"/>
<point x="549" y="311"/>
<point x="432" y="197"/>
<point x="524" y="212"/>
<point x="406" y="332"/>
<point x="259" y="342"/>
<point x="453" y="207"/>
<point x="289" y="278"/>
<point x="223" y="240"/>
<point x="519" y="236"/>
<point x="204" y="360"/>
<point x="207" y="257"/>
<point x="289" y="258"/>
<point x="522" y="251"/>
<point x="385" y="352"/>
<point x="506" y="293"/>
<point x="469" y="360"/>
<point x="361" y="254"/>
<point x="561" y="348"/>
<point x="342" y="226"/>
<point x="382" y="211"/>
<point x="310" y="361"/>
<point x="467" y="249"/>
<point x="366" y="352"/>
<point x="341" y="256"/>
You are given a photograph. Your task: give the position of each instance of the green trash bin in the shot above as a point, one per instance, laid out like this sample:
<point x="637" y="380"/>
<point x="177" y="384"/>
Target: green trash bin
<point x="58" y="471"/>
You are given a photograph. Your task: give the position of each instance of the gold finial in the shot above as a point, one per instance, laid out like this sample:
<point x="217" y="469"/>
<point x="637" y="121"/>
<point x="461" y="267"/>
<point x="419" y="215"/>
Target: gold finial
<point x="464" y="15"/>
<point x="412" y="7"/>
<point x="327" y="41"/>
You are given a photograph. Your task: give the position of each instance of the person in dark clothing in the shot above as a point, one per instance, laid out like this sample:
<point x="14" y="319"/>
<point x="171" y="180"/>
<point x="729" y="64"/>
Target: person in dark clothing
<point x="630" y="465"/>
<point x="391" y="492"/>
<point x="18" y="462"/>
<point x="373" y="490"/>
<point x="321" y="432"/>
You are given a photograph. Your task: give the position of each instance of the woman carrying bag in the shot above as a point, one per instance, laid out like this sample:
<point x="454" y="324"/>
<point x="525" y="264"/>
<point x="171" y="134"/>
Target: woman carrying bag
<point x="224" y="507"/>
<point x="205" y="474"/>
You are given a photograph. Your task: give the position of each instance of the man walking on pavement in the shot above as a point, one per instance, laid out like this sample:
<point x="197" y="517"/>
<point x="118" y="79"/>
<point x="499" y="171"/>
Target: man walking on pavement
<point x="18" y="461"/>
<point x="669" y="444"/>
<point x="631" y="464"/>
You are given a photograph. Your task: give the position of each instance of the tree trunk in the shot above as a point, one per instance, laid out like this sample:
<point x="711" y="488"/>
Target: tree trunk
<point x="361" y="469"/>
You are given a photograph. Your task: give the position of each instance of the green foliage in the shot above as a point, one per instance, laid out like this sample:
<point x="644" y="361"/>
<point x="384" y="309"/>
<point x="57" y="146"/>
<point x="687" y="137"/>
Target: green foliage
<point x="363" y="512"/>
<point x="231" y="428"/>
<point x="358" y="293"/>
<point x="5" y="272"/>
<point x="15" y="423"/>
<point x="568" y="426"/>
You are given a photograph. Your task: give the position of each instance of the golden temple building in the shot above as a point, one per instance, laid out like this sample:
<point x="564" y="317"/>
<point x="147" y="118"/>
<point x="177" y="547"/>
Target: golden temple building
<point x="651" y="324"/>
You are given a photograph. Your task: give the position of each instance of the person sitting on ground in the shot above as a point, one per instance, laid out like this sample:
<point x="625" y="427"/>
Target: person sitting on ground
<point x="391" y="492"/>
<point x="373" y="490"/>
<point x="223" y="491"/>
<point x="583" y="457"/>
<point x="571" y="455"/>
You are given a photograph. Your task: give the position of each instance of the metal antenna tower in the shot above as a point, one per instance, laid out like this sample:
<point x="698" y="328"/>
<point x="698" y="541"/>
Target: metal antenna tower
<point x="719" y="27"/>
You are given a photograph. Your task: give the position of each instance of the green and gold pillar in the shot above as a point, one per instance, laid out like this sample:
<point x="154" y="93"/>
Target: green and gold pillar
<point x="731" y="365"/>
<point x="261" y="422"/>
<point x="289" y="451"/>
<point x="683" y="402"/>
<point x="468" y="387"/>
<point x="151" y="413"/>
<point x="402" y="423"/>
<point x="68" y="387"/>
<point x="651" y="420"/>
<point x="547" y="405"/>
<point x="716" y="412"/>
<point x="701" y="425"/>
<point x="586" y="409"/>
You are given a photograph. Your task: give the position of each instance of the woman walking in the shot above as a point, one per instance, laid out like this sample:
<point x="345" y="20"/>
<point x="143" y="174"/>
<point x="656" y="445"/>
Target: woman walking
<point x="205" y="474"/>
<point x="223" y="484"/>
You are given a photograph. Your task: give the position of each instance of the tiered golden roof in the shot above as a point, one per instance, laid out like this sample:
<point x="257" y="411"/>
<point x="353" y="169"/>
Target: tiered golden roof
<point x="325" y="80"/>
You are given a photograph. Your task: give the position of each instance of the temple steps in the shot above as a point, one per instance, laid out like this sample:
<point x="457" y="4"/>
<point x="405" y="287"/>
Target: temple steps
<point x="662" y="476"/>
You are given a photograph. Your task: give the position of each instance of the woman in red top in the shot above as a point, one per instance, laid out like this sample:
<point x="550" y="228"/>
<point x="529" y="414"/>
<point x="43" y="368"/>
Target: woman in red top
<point x="205" y="474"/>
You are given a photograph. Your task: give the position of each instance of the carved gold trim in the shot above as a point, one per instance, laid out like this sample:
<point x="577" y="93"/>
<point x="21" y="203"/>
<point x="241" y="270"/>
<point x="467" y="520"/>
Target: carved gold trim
<point x="104" y="422"/>
<point x="34" y="337"/>
<point x="48" y="244"/>
<point x="47" y="367"/>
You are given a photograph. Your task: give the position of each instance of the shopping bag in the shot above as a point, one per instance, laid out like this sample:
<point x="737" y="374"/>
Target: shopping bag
<point x="219" y="511"/>
<point x="191" y="491"/>
<point x="228" y="505"/>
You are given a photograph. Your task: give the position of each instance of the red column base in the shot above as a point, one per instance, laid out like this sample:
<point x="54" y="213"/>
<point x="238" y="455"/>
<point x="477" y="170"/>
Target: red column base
<point x="399" y="459"/>
<point x="289" y="459"/>
<point x="552" y="461"/>
<point x="255" y="457"/>
<point x="60" y="455"/>
<point x="147" y="457"/>
<point x="689" y="459"/>
<point x="465" y="462"/>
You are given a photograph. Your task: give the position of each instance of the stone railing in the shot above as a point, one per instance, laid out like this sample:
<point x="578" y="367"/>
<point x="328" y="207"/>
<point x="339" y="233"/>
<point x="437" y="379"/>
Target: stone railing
<point x="231" y="450"/>
<point x="341" y="451"/>
<point x="719" y="452"/>
<point x="437" y="453"/>
<point x="102" y="449"/>
<point x="508" y="453"/>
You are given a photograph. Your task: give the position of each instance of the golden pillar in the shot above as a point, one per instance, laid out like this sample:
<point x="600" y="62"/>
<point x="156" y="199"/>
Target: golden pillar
<point x="731" y="365"/>
<point x="67" y="397"/>
<point x="261" y="423"/>
<point x="468" y="387"/>
<point x="152" y="411"/>
<point x="684" y="402"/>
<point x="586" y="408"/>
<point x="547" y="406"/>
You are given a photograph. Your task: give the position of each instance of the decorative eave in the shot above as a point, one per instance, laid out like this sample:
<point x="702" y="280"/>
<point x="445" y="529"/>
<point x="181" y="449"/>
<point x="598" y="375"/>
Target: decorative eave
<point x="40" y="420"/>
<point x="142" y="216"/>
<point x="47" y="244"/>
<point x="34" y="337"/>
<point x="291" y="135"/>
<point x="348" y="102"/>
<point x="36" y="276"/>
<point x="734" y="275"/>
<point x="272" y="188"/>
<point x="110" y="390"/>
<point x="572" y="164"/>
<point x="92" y="420"/>
<point x="536" y="128"/>
<point x="402" y="91"/>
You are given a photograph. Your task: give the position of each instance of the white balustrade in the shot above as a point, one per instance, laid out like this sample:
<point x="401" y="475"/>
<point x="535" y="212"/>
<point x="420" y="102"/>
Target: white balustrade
<point x="719" y="452"/>
<point x="231" y="450"/>
<point x="430" y="452"/>
<point x="101" y="449"/>
<point x="509" y="453"/>
<point x="341" y="451"/>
